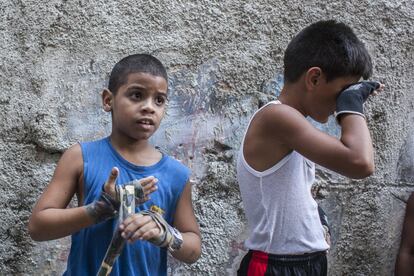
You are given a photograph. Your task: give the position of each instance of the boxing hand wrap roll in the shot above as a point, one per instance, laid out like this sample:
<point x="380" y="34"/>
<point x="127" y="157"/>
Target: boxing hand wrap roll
<point x="138" y="191"/>
<point x="351" y="100"/>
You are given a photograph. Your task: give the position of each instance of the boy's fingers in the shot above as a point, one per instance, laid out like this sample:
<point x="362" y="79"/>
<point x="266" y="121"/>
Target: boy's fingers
<point x="148" y="180"/>
<point x="149" y="232"/>
<point x="112" y="176"/>
<point x="133" y="224"/>
<point x="146" y="231"/>
<point x="149" y="184"/>
<point x="379" y="89"/>
<point x="135" y="219"/>
<point x="110" y="182"/>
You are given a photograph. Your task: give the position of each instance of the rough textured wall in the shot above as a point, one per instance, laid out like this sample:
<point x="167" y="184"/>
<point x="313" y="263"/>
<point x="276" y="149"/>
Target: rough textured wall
<point x="224" y="59"/>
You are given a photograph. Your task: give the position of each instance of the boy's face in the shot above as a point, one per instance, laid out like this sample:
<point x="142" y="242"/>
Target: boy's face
<point x="324" y="97"/>
<point x="139" y="105"/>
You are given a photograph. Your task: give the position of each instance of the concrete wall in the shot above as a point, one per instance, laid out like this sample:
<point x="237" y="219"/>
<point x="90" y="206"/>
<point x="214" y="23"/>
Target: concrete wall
<point x="224" y="59"/>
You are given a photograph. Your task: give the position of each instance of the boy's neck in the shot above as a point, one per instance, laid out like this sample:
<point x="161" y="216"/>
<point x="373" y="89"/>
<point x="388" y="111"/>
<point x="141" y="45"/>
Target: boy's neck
<point x="293" y="95"/>
<point x="138" y="152"/>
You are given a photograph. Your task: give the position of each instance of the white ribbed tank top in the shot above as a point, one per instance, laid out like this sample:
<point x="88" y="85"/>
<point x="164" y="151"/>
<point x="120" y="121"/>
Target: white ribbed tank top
<point x="281" y="212"/>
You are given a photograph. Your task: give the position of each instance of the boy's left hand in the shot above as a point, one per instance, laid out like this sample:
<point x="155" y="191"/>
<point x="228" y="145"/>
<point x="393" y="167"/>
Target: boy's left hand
<point x="139" y="227"/>
<point x="146" y="185"/>
<point x="151" y="226"/>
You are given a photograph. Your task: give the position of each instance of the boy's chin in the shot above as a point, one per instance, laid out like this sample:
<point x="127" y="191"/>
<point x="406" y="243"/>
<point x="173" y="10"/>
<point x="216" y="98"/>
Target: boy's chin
<point x="322" y="120"/>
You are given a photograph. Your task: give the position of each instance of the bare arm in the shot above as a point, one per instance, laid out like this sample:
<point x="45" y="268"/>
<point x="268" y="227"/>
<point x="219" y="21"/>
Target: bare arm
<point x="351" y="156"/>
<point x="185" y="222"/>
<point x="50" y="219"/>
<point x="404" y="265"/>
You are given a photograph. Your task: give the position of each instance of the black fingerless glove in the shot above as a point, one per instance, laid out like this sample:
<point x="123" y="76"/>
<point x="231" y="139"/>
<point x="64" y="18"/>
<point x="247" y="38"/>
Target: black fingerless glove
<point x="105" y="207"/>
<point x="351" y="99"/>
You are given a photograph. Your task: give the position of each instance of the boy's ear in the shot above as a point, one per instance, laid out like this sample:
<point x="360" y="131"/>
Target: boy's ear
<point x="107" y="97"/>
<point x="313" y="77"/>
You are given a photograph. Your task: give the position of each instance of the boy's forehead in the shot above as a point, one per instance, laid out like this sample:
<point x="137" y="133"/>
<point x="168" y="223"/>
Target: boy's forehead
<point x="145" y="79"/>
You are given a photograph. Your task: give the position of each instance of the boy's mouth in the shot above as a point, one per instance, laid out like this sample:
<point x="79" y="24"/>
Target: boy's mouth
<point x="145" y="122"/>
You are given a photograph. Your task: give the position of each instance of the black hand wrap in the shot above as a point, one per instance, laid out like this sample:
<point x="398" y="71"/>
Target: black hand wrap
<point x="351" y="100"/>
<point x="105" y="207"/>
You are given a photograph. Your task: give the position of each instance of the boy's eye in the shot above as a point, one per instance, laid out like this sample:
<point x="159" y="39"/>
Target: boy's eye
<point x="160" y="100"/>
<point x="136" y="95"/>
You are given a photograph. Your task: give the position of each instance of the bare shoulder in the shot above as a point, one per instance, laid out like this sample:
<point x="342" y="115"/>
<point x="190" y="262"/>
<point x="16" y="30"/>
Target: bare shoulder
<point x="73" y="154"/>
<point x="410" y="203"/>
<point x="277" y="112"/>
<point x="267" y="138"/>
<point x="279" y="121"/>
<point x="65" y="182"/>
<point x="71" y="161"/>
<point x="411" y="198"/>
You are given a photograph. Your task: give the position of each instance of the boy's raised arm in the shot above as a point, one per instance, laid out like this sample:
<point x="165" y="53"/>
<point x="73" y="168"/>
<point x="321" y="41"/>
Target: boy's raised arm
<point x="351" y="156"/>
<point x="50" y="219"/>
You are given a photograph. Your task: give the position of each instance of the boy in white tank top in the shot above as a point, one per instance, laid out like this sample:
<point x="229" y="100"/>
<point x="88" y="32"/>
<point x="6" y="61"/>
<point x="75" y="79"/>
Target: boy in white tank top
<point x="275" y="170"/>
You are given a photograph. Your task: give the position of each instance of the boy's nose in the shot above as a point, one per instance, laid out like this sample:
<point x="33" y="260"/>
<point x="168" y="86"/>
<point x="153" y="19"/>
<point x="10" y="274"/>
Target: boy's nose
<point x="148" y="106"/>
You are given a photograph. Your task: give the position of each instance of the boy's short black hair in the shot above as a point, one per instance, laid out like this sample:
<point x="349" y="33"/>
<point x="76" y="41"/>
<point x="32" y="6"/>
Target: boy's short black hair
<point x="137" y="63"/>
<point x="329" y="45"/>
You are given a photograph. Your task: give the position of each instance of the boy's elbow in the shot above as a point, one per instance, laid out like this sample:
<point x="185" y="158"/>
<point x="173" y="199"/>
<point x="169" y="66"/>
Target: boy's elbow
<point x="191" y="253"/>
<point x="34" y="232"/>
<point x="195" y="255"/>
<point x="363" y="169"/>
<point x="370" y="169"/>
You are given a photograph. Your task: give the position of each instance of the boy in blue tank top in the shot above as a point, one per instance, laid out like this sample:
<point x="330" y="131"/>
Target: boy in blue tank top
<point x="164" y="219"/>
<point x="323" y="65"/>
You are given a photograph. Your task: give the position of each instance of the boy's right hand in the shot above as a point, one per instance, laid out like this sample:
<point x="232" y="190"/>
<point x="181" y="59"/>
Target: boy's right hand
<point x="107" y="205"/>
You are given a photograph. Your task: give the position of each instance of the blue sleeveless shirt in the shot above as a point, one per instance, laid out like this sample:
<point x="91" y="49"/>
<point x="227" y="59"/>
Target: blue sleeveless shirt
<point x="89" y="245"/>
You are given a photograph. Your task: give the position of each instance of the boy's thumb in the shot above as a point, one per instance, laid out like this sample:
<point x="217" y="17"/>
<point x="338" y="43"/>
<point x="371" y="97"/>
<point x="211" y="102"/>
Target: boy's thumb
<point x="110" y="182"/>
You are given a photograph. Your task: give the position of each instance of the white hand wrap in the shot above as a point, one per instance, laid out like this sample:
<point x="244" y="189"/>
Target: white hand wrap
<point x="139" y="191"/>
<point x="169" y="236"/>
